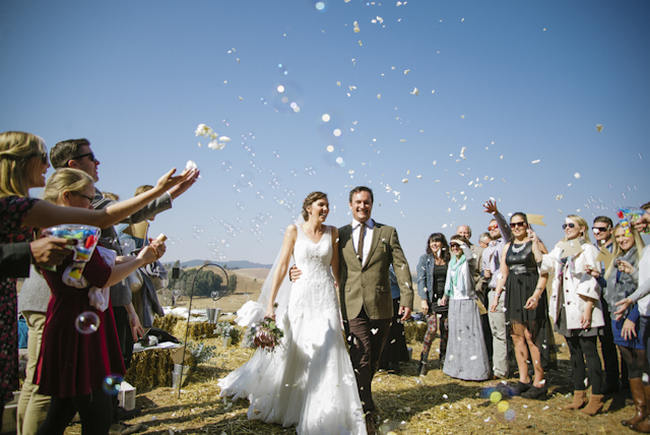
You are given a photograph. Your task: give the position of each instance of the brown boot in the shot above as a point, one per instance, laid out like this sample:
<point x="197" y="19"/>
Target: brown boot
<point x="639" y="398"/>
<point x="579" y="400"/>
<point x="595" y="404"/>
<point x="644" y="425"/>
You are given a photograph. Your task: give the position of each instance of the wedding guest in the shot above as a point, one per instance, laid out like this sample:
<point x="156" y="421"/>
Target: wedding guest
<point x="23" y="163"/>
<point x="77" y="154"/>
<point x="622" y="280"/>
<point x="525" y="305"/>
<point x="431" y="275"/>
<point x="73" y="364"/>
<point x="641" y="297"/>
<point x="466" y="231"/>
<point x="484" y="240"/>
<point x="642" y="224"/>
<point x="395" y="350"/>
<point x="500" y="234"/>
<point x="466" y="356"/>
<point x="575" y="309"/>
<point x="603" y="229"/>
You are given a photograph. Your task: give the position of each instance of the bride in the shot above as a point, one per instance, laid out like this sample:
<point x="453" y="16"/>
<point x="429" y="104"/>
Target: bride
<point x="307" y="380"/>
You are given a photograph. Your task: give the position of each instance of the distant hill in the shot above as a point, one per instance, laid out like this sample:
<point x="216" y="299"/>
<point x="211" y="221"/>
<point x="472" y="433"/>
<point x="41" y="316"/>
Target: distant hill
<point x="236" y="264"/>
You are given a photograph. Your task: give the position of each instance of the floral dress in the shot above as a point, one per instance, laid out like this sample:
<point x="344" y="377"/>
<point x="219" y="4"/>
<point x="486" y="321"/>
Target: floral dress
<point x="12" y="210"/>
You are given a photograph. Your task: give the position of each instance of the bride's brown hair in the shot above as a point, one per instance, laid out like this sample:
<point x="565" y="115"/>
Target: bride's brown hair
<point x="309" y="200"/>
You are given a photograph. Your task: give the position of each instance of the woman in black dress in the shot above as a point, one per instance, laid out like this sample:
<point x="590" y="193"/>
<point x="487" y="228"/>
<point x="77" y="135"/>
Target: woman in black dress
<point x="432" y="272"/>
<point x="526" y="309"/>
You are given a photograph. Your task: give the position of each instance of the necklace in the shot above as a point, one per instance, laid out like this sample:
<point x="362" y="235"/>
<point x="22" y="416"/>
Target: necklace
<point x="519" y="249"/>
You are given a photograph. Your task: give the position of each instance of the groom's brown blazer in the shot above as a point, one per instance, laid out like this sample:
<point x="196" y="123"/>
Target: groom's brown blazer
<point x="368" y="286"/>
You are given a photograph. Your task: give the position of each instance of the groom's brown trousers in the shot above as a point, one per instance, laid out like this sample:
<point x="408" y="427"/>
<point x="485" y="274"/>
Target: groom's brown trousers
<point x="366" y="338"/>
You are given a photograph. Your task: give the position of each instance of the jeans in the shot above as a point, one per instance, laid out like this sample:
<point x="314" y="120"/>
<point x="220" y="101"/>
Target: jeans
<point x="499" y="337"/>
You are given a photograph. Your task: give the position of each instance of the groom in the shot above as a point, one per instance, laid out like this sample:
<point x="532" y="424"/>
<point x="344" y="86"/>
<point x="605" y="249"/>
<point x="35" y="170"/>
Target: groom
<point x="366" y="251"/>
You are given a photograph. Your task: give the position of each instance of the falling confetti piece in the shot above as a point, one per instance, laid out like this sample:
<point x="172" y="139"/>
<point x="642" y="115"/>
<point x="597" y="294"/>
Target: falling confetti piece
<point x="599" y="128"/>
<point x="534" y="162"/>
<point x="415" y="91"/>
<point x="405" y="180"/>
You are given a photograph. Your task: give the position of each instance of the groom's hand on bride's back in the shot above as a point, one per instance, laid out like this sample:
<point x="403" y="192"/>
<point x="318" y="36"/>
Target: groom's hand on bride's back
<point x="294" y="273"/>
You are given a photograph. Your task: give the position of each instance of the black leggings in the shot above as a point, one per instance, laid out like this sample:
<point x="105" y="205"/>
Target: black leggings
<point x="95" y="411"/>
<point x="635" y="360"/>
<point x="584" y="349"/>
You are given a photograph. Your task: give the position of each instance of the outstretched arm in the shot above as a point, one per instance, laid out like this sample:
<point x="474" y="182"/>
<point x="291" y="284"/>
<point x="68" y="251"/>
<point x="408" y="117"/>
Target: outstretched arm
<point x="44" y="214"/>
<point x="283" y="264"/>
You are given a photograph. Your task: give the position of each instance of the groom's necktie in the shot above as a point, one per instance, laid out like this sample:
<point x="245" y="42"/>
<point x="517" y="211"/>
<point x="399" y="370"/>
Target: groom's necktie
<point x="362" y="233"/>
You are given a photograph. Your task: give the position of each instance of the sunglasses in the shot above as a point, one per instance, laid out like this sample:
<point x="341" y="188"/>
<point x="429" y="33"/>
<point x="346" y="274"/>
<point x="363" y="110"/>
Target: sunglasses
<point x="492" y="227"/>
<point x="91" y="155"/>
<point x="84" y="196"/>
<point x="517" y="224"/>
<point x="597" y="230"/>
<point x="569" y="225"/>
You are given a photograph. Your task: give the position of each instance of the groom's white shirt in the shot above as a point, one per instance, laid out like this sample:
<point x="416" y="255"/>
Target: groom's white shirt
<point x="367" y="241"/>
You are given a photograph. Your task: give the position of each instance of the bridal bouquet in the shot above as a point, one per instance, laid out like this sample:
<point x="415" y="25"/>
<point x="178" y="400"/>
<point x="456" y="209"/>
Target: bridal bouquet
<point x="267" y="335"/>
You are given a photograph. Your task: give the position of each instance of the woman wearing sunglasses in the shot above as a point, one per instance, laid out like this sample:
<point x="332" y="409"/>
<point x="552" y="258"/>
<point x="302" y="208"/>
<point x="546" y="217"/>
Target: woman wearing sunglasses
<point x="23" y="164"/>
<point x="575" y="309"/>
<point x="466" y="356"/>
<point x="525" y="303"/>
<point x="622" y="280"/>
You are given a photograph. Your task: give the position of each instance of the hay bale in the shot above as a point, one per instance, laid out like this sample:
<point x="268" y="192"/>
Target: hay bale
<point x="166" y="323"/>
<point x="414" y="331"/>
<point x="150" y="369"/>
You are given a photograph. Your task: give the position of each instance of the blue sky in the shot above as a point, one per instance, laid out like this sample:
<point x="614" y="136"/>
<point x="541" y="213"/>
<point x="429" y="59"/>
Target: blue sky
<point x="508" y="82"/>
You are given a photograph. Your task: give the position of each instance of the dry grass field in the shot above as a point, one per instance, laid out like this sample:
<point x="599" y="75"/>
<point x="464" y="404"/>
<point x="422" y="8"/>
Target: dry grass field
<point x="408" y="404"/>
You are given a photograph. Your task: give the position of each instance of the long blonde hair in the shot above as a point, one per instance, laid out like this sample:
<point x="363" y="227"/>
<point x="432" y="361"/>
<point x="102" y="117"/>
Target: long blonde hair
<point x="581" y="223"/>
<point x="66" y="180"/>
<point x="617" y="251"/>
<point x="16" y="148"/>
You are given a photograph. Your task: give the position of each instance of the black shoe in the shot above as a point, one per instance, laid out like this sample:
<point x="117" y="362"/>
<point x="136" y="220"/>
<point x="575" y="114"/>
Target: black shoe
<point x="519" y="388"/>
<point x="393" y="367"/>
<point x="422" y="368"/>
<point x="534" y="392"/>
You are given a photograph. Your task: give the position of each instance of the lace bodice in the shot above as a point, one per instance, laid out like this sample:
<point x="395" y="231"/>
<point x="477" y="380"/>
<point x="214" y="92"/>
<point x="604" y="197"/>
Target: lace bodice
<point x="314" y="290"/>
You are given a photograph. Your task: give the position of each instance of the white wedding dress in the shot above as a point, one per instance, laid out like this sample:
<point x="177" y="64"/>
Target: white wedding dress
<point x="308" y="380"/>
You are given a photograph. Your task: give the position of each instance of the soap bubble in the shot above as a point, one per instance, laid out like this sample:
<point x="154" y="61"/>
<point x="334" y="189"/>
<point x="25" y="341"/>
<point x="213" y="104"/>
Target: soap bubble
<point x="87" y="322"/>
<point x="510" y="414"/>
<point x="287" y="98"/>
<point x="283" y="69"/>
<point x="226" y="165"/>
<point x="325" y="117"/>
<point x="111" y="384"/>
<point x="495" y="397"/>
<point x="320" y="6"/>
